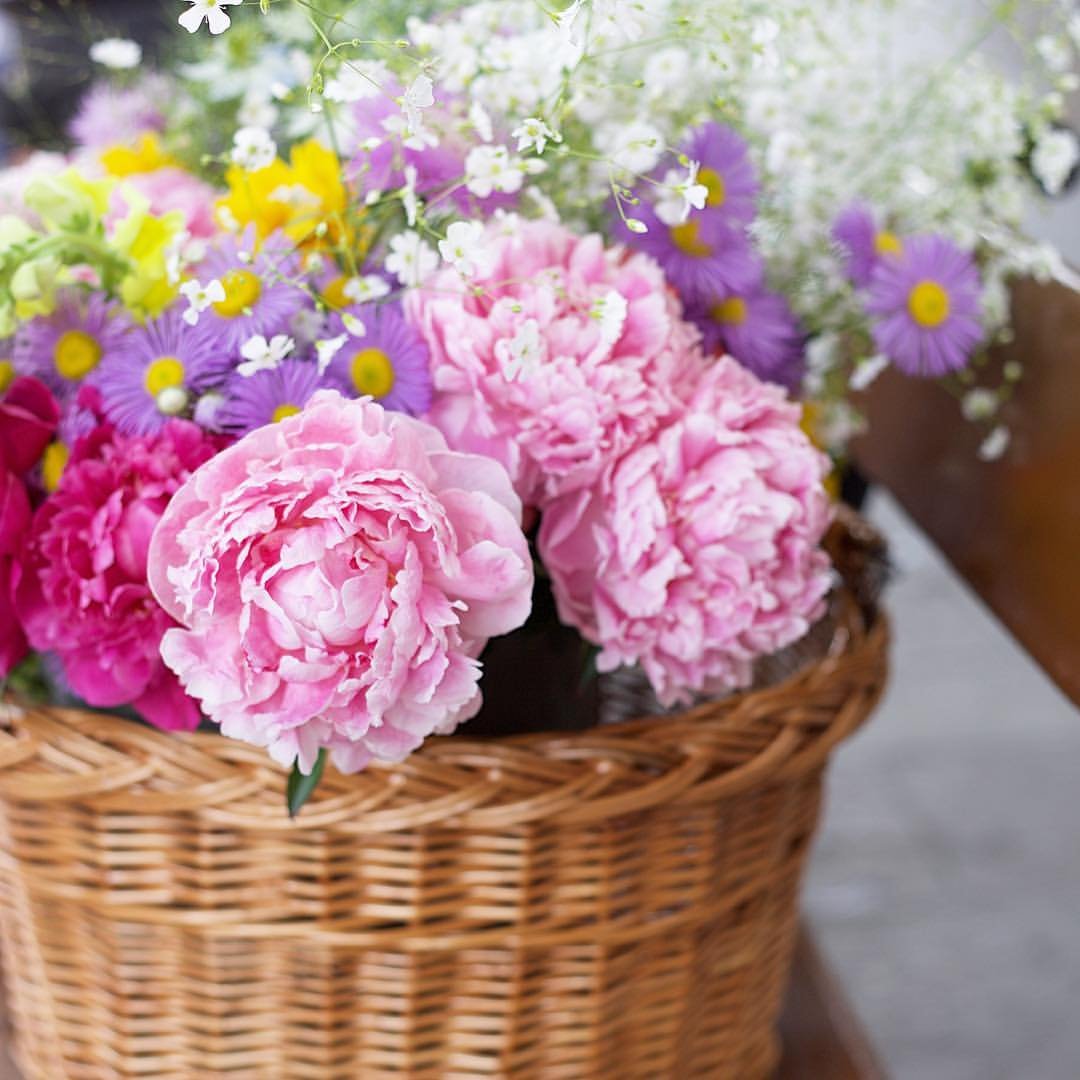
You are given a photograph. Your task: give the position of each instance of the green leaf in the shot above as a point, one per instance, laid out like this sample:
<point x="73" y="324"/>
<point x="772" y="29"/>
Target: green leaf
<point x="300" y="787"/>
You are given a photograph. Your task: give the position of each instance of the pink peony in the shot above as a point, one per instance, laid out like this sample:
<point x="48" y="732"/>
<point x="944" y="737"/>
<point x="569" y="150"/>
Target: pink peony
<point x="29" y="415"/>
<point x="569" y="355"/>
<point x="84" y="593"/>
<point x="699" y="550"/>
<point x="339" y="572"/>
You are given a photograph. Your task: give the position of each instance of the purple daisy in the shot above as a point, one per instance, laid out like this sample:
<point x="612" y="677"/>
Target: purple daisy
<point x="259" y="297"/>
<point x="862" y="242"/>
<point x="760" y="330"/>
<point x="66" y="348"/>
<point x="389" y="362"/>
<point x="109" y="114"/>
<point x="252" y="401"/>
<point x="158" y="371"/>
<point x="925" y="304"/>
<point x="725" y="170"/>
<point x="702" y="258"/>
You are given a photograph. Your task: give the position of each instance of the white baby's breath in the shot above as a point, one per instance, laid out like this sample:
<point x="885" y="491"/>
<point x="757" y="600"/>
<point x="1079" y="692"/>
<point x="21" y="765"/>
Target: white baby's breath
<point x="119" y="54"/>
<point x="465" y="248"/>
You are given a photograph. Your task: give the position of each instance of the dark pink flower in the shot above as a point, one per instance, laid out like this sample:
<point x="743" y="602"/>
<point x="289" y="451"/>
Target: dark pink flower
<point x="84" y="593"/>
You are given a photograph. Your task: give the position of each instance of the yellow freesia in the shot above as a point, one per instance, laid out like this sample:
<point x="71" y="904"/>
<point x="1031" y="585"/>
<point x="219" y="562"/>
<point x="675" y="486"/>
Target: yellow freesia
<point x="145" y="240"/>
<point x="305" y="198"/>
<point x="146" y="156"/>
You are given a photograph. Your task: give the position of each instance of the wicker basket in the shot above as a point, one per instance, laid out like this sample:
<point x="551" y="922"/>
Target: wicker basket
<point x="612" y="904"/>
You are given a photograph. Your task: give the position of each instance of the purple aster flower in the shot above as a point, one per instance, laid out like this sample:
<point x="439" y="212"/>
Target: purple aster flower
<point x="760" y="330"/>
<point x="109" y="114"/>
<point x="725" y="170"/>
<point x="65" y="349"/>
<point x="259" y="295"/>
<point x="252" y="401"/>
<point x="925" y="305"/>
<point x="862" y="242"/>
<point x="702" y="258"/>
<point x="389" y="362"/>
<point x="158" y="371"/>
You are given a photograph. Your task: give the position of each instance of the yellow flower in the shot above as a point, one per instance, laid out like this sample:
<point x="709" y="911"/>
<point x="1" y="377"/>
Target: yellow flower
<point x="146" y="156"/>
<point x="70" y="200"/>
<point x="298" y="197"/>
<point x="145" y="240"/>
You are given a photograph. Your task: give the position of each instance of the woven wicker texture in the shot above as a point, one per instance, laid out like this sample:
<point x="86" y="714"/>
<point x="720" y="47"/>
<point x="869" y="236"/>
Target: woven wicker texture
<point x="607" y="905"/>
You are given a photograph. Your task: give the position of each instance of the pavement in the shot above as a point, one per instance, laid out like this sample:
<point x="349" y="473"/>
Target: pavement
<point x="945" y="887"/>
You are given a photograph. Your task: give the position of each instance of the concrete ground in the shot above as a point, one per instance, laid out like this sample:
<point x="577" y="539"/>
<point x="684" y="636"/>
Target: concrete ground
<point x="946" y="883"/>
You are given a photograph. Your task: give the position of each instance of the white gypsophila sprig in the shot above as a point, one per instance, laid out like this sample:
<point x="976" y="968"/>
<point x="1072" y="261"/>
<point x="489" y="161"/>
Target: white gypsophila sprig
<point x="465" y="248"/>
<point x="253" y="148"/>
<point x="119" y="54"/>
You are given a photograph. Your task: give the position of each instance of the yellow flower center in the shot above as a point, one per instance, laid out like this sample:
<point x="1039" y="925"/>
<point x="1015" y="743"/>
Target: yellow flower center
<point x="76" y="354"/>
<point x="928" y="304"/>
<point x="372" y="373"/>
<point x="887" y="243"/>
<point x="713" y="183"/>
<point x="731" y="311"/>
<point x="685" y="237"/>
<point x="53" y="463"/>
<point x="164" y="373"/>
<point x="242" y="290"/>
<point x="282" y="411"/>
<point x="334" y="293"/>
<point x="7" y="374"/>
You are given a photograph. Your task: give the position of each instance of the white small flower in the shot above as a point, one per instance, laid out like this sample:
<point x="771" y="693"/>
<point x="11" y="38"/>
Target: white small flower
<point x="491" y="168"/>
<point x="411" y="258"/>
<point x="356" y="82"/>
<point x="257" y="111"/>
<point x="979" y="404"/>
<point x="295" y="195"/>
<point x="1055" y="52"/>
<point x="610" y="310"/>
<point x="566" y="22"/>
<point x="481" y="121"/>
<point x="409" y="199"/>
<point x="524" y="353"/>
<point x="635" y="147"/>
<point x="866" y="371"/>
<point x="200" y="297"/>
<point x="1054" y="158"/>
<point x="533" y="134"/>
<point x="207" y="409"/>
<point x="116" y="53"/>
<point x="172" y="400"/>
<point x="465" y="248"/>
<point x="418" y="96"/>
<point x="366" y="288"/>
<point x="354" y="327"/>
<point x="995" y="444"/>
<point x="253" y="148"/>
<point x="262" y="355"/>
<point x="680" y="195"/>
<point x="327" y="349"/>
<point x="217" y="19"/>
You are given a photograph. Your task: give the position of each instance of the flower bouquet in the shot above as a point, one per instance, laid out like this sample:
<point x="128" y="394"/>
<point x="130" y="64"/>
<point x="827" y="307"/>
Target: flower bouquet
<point x="363" y="339"/>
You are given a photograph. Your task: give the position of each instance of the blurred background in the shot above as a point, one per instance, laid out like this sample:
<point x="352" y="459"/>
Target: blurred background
<point x="946" y="883"/>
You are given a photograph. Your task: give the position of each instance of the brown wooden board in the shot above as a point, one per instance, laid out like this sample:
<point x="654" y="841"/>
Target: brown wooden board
<point x="1011" y="528"/>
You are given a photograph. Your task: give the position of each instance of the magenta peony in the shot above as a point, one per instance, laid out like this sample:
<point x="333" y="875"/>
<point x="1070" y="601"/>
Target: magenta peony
<point x="556" y="360"/>
<point x="338" y="573"/>
<point x="28" y="418"/>
<point x="699" y="551"/>
<point x="14" y="523"/>
<point x="84" y="592"/>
